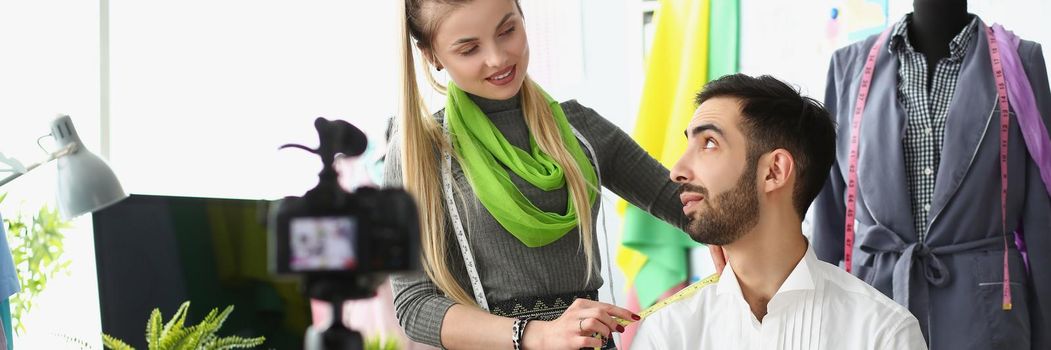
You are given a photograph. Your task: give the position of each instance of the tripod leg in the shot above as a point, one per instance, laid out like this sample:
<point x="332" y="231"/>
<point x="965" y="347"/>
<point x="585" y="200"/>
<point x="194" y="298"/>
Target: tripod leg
<point x="338" y="336"/>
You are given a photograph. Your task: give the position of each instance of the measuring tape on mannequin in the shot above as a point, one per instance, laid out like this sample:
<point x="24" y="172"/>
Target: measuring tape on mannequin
<point x="852" y="170"/>
<point x="1005" y="122"/>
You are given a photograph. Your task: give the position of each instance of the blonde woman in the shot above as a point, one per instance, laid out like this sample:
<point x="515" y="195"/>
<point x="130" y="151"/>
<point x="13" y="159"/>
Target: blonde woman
<point x="507" y="181"/>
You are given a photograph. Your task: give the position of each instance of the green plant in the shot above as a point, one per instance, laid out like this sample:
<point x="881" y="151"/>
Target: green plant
<point x="174" y="335"/>
<point x="377" y="343"/>
<point x="36" y="248"/>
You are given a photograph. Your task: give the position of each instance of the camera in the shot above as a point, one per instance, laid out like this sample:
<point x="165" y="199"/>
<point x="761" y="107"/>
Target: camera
<point x="346" y="234"/>
<point x="343" y="244"/>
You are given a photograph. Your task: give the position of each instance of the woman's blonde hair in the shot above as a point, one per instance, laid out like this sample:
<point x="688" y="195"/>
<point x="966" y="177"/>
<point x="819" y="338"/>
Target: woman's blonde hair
<point x="422" y="139"/>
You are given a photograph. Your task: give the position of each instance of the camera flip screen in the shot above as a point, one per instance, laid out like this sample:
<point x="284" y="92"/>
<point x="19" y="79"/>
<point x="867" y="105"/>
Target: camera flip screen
<point x="323" y="243"/>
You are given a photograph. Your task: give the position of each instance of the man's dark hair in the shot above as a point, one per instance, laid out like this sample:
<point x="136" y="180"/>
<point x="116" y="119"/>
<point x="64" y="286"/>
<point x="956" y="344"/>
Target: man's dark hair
<point x="775" y="115"/>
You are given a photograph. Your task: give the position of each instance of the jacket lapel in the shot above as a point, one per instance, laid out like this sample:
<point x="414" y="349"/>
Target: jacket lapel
<point x="967" y="122"/>
<point x="881" y="160"/>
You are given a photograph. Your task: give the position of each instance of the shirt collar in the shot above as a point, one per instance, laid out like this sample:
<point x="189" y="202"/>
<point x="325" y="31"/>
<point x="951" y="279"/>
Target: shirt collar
<point x="900" y="42"/>
<point x="801" y="278"/>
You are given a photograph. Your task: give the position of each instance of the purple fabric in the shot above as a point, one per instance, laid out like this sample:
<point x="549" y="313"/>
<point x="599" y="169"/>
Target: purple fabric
<point x="1022" y="100"/>
<point x="1020" y="93"/>
<point x="1020" y="243"/>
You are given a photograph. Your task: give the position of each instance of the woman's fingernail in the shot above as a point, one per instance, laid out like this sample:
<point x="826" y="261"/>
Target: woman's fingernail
<point x="620" y="328"/>
<point x="636" y="317"/>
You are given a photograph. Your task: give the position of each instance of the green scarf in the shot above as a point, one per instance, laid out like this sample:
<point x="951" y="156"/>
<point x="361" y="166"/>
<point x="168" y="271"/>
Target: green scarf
<point x="484" y="152"/>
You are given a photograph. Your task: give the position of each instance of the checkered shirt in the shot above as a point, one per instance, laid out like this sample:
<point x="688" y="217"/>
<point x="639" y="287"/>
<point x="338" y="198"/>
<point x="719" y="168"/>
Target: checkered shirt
<point x="926" y="111"/>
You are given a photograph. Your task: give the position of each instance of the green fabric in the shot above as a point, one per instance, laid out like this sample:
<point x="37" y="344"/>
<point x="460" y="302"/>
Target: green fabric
<point x="484" y="152"/>
<point x="5" y="315"/>
<point x="666" y="248"/>
<point x="723" y="44"/>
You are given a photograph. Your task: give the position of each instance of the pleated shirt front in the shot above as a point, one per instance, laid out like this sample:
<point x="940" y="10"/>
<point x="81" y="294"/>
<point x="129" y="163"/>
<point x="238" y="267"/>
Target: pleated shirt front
<point x="819" y="306"/>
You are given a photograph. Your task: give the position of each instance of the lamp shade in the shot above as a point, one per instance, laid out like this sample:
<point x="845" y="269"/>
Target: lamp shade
<point x="85" y="182"/>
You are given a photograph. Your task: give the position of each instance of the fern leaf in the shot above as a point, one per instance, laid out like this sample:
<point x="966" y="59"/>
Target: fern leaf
<point x="196" y="338"/>
<point x="114" y="343"/>
<point x="177" y="320"/>
<point x="174" y="338"/>
<point x="214" y="320"/>
<point x="218" y="321"/>
<point x="235" y="342"/>
<point x="208" y="326"/>
<point x="210" y="316"/>
<point x="208" y="342"/>
<point x="153" y="330"/>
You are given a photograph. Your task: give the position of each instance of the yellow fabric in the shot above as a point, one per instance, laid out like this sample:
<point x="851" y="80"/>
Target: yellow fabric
<point x="676" y="69"/>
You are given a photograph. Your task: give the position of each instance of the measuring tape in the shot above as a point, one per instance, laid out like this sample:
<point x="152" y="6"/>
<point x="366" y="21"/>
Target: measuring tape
<point x="855" y="131"/>
<point x="1005" y="122"/>
<point x="679" y="296"/>
<point x="852" y="172"/>
<point x="457" y="223"/>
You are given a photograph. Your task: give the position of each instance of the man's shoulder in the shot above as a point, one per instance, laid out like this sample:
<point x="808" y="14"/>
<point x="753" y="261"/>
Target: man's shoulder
<point x="870" y="311"/>
<point x="691" y="305"/>
<point x="677" y="322"/>
<point x="855" y="293"/>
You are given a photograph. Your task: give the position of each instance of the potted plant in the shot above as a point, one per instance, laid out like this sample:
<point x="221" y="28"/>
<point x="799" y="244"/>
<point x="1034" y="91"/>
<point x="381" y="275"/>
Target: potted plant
<point x="176" y="335"/>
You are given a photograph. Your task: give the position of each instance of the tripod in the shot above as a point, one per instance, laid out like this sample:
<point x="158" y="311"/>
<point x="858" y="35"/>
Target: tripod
<point x="336" y="291"/>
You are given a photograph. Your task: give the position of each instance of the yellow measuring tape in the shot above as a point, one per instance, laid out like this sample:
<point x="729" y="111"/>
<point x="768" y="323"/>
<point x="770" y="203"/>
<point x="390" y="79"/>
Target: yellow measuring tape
<point x="682" y="294"/>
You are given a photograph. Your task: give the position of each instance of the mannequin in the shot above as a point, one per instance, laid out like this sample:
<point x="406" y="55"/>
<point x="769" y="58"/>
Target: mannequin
<point x="928" y="229"/>
<point x="934" y="24"/>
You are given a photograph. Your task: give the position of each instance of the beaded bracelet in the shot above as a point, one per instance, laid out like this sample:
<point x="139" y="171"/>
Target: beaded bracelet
<point x="518" y="332"/>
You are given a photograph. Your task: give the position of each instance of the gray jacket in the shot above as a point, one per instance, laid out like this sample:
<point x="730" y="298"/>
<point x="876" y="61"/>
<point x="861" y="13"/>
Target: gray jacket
<point x="953" y="280"/>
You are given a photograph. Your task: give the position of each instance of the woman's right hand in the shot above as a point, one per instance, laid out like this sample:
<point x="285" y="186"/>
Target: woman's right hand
<point x="577" y="326"/>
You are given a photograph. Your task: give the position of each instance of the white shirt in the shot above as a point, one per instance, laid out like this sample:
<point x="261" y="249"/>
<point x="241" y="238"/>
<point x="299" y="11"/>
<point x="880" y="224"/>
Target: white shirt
<point x="819" y="306"/>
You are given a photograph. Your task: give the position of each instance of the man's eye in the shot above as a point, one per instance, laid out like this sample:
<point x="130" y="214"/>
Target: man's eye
<point x="709" y="143"/>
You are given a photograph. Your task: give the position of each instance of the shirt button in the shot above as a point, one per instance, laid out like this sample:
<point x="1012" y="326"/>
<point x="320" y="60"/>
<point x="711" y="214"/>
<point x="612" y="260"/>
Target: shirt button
<point x="928" y="171"/>
<point x="928" y="131"/>
<point x="926" y="207"/>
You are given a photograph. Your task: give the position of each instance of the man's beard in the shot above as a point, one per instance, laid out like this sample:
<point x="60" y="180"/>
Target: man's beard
<point x="729" y="215"/>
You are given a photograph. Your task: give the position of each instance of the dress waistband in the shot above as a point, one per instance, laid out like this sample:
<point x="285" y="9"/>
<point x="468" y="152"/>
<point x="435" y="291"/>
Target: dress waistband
<point x="543" y="307"/>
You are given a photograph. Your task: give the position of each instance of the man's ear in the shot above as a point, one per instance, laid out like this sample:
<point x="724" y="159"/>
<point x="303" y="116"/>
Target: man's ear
<point x="776" y="168"/>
